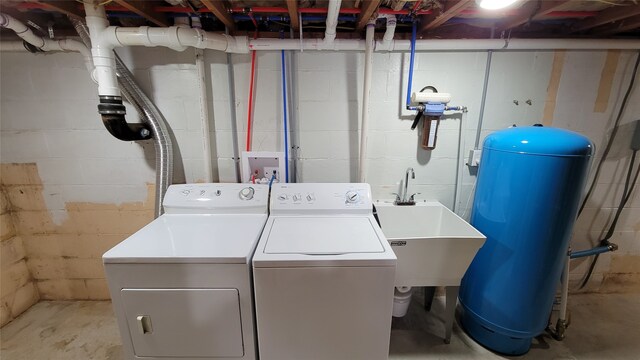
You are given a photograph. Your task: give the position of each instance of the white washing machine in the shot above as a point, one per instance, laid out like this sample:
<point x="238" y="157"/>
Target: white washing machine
<point x="181" y="286"/>
<point x="323" y="276"/>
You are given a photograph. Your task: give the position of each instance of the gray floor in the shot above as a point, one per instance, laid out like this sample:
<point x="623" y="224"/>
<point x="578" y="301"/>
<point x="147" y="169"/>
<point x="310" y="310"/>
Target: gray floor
<point x="603" y="327"/>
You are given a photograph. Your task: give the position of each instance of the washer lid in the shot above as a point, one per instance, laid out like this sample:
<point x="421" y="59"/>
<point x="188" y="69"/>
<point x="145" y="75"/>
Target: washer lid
<point x="212" y="239"/>
<point x="322" y="236"/>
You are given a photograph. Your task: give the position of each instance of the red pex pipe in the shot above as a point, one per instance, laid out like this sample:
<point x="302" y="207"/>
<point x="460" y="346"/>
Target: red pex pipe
<point x="253" y="71"/>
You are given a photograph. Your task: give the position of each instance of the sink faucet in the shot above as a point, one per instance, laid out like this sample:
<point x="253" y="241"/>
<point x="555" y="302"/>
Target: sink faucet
<point x="406" y="199"/>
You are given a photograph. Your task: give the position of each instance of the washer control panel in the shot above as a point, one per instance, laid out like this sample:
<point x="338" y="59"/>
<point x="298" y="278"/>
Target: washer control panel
<point x="216" y="198"/>
<point x="307" y="197"/>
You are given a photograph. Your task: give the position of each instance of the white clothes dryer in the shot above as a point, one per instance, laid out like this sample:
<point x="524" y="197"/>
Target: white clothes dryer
<point x="181" y="286"/>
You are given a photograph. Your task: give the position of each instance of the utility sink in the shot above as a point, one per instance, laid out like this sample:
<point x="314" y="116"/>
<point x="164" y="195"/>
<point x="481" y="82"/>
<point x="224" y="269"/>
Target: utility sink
<point x="434" y="246"/>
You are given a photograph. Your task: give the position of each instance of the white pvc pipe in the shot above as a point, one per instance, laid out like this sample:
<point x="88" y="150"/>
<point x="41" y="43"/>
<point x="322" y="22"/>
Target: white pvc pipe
<point x="25" y="33"/>
<point x="389" y="33"/>
<point x="333" y="11"/>
<point x="564" y="295"/>
<point x="175" y="37"/>
<point x="366" y="92"/>
<point x="204" y="117"/>
<point x="102" y="51"/>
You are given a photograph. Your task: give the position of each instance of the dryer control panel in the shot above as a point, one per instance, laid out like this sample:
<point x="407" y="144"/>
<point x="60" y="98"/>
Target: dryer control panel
<point x="321" y="198"/>
<point x="216" y="199"/>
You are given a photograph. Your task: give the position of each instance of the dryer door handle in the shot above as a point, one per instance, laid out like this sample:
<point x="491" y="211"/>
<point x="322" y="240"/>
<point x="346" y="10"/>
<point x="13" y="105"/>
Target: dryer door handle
<point x="144" y="324"/>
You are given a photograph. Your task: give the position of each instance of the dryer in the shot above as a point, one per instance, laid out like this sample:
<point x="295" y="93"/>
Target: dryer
<point x="181" y="286"/>
<point x="323" y="275"/>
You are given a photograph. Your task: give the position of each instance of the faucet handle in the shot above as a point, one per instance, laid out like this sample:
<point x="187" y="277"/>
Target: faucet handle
<point x="397" y="196"/>
<point x="413" y="195"/>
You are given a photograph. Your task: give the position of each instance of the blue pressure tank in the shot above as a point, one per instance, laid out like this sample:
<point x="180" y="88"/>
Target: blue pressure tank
<point x="527" y="194"/>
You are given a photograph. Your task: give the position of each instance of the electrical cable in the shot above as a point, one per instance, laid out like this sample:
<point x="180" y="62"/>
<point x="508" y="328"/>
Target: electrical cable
<point x="625" y="196"/>
<point x="629" y="186"/>
<point x="613" y="135"/>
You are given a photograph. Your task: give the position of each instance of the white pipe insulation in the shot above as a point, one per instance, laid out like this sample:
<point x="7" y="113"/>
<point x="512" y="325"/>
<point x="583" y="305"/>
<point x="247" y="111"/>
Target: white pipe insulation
<point x="366" y="92"/>
<point x="23" y="31"/>
<point x="333" y="11"/>
<point x="448" y="45"/>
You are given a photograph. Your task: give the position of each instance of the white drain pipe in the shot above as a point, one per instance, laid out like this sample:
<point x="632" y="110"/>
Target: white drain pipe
<point x="387" y="39"/>
<point x="364" y="127"/>
<point x="333" y="11"/>
<point x="23" y="31"/>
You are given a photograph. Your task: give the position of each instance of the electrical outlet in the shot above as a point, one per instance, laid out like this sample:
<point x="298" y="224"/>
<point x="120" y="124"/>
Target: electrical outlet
<point x="269" y="171"/>
<point x="474" y="157"/>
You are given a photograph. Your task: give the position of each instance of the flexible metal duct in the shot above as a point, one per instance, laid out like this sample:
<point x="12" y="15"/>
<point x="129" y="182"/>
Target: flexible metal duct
<point x="149" y="114"/>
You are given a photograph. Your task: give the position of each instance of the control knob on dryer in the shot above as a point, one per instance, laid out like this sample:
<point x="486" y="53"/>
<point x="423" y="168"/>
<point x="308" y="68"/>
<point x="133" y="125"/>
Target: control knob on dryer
<point x="352" y="197"/>
<point x="247" y="193"/>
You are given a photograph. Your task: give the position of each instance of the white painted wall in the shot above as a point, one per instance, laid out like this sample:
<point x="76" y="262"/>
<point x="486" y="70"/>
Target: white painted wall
<point x="48" y="116"/>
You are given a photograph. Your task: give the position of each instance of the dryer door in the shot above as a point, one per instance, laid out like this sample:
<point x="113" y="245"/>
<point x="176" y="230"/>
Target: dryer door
<point x="184" y="322"/>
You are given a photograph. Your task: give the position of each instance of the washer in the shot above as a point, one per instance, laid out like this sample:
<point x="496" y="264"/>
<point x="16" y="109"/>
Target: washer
<point x="323" y="276"/>
<point x="181" y="286"/>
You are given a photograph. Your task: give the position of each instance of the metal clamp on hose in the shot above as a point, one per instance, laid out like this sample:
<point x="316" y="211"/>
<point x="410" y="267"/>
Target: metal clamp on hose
<point x="113" y="117"/>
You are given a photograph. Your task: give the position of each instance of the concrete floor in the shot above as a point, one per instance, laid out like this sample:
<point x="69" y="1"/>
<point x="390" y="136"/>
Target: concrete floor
<point x="603" y="327"/>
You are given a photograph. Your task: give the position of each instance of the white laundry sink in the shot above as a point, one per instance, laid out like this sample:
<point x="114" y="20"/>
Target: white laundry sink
<point x="434" y="246"/>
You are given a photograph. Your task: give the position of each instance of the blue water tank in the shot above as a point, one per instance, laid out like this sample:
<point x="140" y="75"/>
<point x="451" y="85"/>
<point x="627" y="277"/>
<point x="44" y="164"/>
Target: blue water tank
<point x="528" y="190"/>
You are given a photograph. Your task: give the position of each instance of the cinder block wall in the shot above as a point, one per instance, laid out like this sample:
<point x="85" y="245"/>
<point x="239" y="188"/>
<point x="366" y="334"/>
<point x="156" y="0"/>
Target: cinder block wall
<point x="17" y="288"/>
<point x="48" y="118"/>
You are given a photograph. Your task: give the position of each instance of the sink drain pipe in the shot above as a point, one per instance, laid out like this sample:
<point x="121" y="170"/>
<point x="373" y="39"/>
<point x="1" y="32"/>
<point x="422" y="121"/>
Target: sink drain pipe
<point x="150" y="115"/>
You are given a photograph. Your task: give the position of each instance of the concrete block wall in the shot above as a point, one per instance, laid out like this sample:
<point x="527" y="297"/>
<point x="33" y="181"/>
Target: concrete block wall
<point x="48" y="118"/>
<point x="17" y="288"/>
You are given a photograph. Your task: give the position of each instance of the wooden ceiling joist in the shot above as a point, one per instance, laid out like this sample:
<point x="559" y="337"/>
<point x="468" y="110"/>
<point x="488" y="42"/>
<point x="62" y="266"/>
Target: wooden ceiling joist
<point x="69" y="8"/>
<point x="614" y="13"/>
<point x="533" y="10"/>
<point x="366" y="11"/>
<point x="452" y="8"/>
<point x="621" y="26"/>
<point x="145" y="9"/>
<point x="292" y="6"/>
<point x="218" y="8"/>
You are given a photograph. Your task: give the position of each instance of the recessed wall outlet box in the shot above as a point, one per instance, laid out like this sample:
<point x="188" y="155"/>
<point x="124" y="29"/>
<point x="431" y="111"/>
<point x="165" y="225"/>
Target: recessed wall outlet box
<point x="261" y="166"/>
<point x="474" y="157"/>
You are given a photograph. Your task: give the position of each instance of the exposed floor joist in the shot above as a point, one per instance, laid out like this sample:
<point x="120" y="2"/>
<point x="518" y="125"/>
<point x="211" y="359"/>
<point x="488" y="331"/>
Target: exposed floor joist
<point x="607" y="16"/>
<point x="621" y="26"/>
<point x="452" y="8"/>
<point x="69" y="8"/>
<point x="533" y="10"/>
<point x="292" y="6"/>
<point x="145" y="9"/>
<point x="218" y="9"/>
<point x="366" y="11"/>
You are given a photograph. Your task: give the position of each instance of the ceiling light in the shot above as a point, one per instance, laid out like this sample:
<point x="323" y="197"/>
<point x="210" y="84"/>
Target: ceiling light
<point x="494" y="4"/>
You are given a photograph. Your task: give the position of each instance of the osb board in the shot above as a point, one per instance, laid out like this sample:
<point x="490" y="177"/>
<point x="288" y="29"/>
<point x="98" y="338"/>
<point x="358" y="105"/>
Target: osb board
<point x="606" y="81"/>
<point x="552" y="88"/>
<point x="65" y="258"/>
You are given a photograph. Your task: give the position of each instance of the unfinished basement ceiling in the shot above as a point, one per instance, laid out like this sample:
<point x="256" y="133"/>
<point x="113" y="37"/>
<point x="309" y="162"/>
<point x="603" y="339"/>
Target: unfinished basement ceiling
<point x="444" y="19"/>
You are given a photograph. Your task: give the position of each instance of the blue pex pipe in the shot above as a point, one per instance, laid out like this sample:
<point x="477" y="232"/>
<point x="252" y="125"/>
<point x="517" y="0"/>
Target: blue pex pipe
<point x="284" y="111"/>
<point x="413" y="54"/>
<point x="590" y="252"/>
